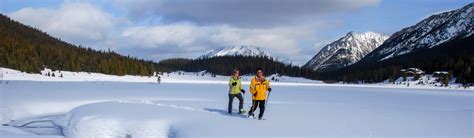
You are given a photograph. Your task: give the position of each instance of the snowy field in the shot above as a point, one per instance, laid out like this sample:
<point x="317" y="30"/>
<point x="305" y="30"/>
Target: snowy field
<point x="185" y="110"/>
<point x="187" y="105"/>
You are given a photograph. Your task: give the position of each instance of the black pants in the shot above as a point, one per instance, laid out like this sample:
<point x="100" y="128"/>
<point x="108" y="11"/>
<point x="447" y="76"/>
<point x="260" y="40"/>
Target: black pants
<point x="260" y="104"/>
<point x="231" y="99"/>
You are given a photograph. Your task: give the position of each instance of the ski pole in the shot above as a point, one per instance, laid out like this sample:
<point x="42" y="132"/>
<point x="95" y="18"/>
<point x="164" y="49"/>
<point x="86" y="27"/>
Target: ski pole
<point x="266" y="100"/>
<point x="243" y="103"/>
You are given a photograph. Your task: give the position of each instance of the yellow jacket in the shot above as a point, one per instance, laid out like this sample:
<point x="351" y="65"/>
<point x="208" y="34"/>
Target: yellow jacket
<point x="237" y="88"/>
<point x="259" y="87"/>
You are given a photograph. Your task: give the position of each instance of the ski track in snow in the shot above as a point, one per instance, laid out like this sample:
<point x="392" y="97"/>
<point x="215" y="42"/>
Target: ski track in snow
<point x="149" y="102"/>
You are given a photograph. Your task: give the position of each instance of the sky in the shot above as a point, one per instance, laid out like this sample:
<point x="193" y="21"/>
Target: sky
<point x="293" y="30"/>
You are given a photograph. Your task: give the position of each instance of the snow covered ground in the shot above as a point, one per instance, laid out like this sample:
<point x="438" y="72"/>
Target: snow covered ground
<point x="121" y="109"/>
<point x="186" y="106"/>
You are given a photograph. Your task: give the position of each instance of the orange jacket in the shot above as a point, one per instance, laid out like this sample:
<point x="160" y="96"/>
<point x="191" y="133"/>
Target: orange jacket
<point x="259" y="87"/>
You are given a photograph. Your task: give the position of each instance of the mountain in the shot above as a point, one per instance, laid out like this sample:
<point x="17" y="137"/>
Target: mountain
<point x="236" y="51"/>
<point x="345" y="51"/>
<point x="441" y="42"/>
<point x="429" y="33"/>
<point x="245" y="58"/>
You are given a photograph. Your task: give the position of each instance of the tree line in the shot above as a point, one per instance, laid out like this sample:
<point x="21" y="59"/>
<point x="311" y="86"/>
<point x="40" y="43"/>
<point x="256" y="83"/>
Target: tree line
<point x="224" y="65"/>
<point x="30" y="50"/>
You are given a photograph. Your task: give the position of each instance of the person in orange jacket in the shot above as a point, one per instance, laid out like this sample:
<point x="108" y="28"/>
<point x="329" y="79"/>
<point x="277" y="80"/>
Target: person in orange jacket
<point x="258" y="88"/>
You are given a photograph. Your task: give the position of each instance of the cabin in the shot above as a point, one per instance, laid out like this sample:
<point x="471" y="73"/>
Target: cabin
<point x="416" y="73"/>
<point x="440" y="75"/>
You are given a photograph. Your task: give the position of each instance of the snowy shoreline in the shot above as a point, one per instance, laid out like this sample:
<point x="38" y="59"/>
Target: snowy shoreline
<point x="191" y="78"/>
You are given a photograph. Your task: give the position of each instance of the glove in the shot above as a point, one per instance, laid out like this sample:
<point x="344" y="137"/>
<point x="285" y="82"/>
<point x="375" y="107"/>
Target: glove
<point x="255" y="94"/>
<point x="269" y="89"/>
<point x="235" y="83"/>
<point x="243" y="91"/>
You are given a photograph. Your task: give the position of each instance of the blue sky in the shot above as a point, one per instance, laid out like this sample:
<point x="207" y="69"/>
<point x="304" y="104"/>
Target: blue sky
<point x="160" y="29"/>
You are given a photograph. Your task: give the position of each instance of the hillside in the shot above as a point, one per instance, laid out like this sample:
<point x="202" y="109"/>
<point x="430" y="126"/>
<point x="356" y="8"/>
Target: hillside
<point x="30" y="50"/>
<point x="441" y="42"/>
<point x="455" y="56"/>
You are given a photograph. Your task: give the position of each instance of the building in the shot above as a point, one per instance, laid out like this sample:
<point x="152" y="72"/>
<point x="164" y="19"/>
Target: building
<point x="416" y="73"/>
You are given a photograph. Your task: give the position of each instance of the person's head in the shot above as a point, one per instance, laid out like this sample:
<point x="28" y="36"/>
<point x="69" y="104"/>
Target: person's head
<point x="259" y="72"/>
<point x="236" y="72"/>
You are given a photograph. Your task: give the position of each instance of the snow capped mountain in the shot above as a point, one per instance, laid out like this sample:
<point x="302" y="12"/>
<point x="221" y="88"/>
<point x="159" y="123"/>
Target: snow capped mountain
<point x="428" y="33"/>
<point x="345" y="51"/>
<point x="236" y="50"/>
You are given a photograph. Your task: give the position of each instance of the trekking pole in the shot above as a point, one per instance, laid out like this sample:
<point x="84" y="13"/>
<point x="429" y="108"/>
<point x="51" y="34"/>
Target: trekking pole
<point x="266" y="100"/>
<point x="243" y="103"/>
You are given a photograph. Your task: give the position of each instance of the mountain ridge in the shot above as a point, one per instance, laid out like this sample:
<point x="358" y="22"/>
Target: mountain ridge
<point x="345" y="51"/>
<point x="430" y="32"/>
<point x="241" y="50"/>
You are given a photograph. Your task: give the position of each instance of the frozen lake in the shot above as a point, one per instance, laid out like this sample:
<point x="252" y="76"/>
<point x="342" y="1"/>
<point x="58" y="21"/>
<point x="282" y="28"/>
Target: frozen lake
<point x="199" y="110"/>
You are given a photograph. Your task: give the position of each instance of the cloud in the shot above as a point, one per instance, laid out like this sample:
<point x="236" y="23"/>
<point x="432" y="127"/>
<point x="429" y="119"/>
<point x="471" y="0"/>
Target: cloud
<point x="77" y="23"/>
<point x="190" y="40"/>
<point x="80" y="22"/>
<point x="241" y="13"/>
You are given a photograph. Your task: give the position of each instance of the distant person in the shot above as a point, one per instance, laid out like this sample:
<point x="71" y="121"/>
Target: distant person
<point x="235" y="90"/>
<point x="159" y="79"/>
<point x="258" y="87"/>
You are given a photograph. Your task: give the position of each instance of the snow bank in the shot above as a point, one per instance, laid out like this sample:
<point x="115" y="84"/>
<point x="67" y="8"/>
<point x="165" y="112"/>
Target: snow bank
<point x="114" y="119"/>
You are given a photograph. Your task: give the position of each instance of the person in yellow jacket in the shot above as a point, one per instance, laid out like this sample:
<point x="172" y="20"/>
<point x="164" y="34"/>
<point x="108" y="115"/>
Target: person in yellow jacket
<point x="235" y="90"/>
<point x="258" y="88"/>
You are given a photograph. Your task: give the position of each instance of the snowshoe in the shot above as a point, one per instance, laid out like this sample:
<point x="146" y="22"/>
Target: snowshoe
<point x="251" y="117"/>
<point x="242" y="111"/>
